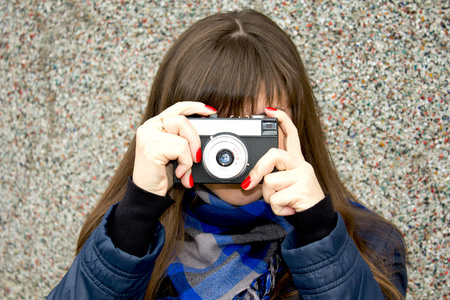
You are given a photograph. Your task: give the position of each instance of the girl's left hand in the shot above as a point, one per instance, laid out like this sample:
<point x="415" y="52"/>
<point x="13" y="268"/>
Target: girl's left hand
<point x="294" y="188"/>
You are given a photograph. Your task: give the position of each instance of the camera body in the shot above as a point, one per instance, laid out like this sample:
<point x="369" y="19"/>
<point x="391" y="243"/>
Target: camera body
<point x="231" y="147"/>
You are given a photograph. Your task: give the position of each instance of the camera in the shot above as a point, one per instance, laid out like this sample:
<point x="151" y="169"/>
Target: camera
<point x="231" y="147"/>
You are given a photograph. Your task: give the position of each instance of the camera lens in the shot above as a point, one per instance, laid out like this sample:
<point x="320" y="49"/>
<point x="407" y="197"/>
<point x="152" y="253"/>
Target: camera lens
<point x="225" y="158"/>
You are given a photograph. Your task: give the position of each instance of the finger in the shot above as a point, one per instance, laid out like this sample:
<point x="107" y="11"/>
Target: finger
<point x="274" y="158"/>
<point x="293" y="198"/>
<point x="177" y="125"/>
<point x="275" y="182"/>
<point x="173" y="147"/>
<point x="282" y="210"/>
<point x="187" y="180"/>
<point x="278" y="181"/>
<point x="290" y="132"/>
<point x="187" y="108"/>
<point x="180" y="126"/>
<point x="283" y="202"/>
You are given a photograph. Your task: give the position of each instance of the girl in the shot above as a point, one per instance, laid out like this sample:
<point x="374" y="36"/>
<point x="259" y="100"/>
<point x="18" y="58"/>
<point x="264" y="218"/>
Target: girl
<point x="292" y="234"/>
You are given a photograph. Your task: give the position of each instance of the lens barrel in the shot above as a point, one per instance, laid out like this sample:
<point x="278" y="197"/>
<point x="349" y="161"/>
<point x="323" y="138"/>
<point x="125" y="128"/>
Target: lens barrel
<point x="225" y="157"/>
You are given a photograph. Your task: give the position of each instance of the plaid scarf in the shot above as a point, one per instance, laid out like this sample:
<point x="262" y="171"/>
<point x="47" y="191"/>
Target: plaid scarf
<point x="229" y="252"/>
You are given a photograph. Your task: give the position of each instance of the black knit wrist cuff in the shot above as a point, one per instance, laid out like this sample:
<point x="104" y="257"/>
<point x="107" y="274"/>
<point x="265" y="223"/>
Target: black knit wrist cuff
<point x="132" y="225"/>
<point x="314" y="223"/>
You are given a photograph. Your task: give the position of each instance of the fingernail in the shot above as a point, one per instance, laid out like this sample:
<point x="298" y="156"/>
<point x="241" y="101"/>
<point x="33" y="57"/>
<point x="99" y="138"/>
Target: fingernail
<point x="191" y="180"/>
<point x="198" y="156"/>
<point x="211" y="108"/>
<point x="246" y="182"/>
<point x="271" y="108"/>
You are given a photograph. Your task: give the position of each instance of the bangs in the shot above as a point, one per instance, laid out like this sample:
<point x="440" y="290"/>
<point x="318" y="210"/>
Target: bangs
<point x="231" y="74"/>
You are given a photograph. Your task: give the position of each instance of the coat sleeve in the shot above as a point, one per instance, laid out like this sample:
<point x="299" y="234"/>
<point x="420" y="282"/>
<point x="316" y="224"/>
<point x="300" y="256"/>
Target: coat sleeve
<point x="102" y="271"/>
<point x="332" y="268"/>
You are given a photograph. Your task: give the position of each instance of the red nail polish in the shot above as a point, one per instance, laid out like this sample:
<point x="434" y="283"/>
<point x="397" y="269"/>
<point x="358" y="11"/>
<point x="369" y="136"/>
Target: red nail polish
<point x="191" y="180"/>
<point x="211" y="108"/>
<point x="246" y="182"/>
<point x="198" y="156"/>
<point x="271" y="108"/>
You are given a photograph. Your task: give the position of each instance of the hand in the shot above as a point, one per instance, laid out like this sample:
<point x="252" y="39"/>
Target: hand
<point x="294" y="188"/>
<point x="166" y="137"/>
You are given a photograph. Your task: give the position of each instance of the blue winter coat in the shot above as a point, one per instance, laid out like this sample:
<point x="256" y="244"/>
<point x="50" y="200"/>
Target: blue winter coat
<point x="331" y="268"/>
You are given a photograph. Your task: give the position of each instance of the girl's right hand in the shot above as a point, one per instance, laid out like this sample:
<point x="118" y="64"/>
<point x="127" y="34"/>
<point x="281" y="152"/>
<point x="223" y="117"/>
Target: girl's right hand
<point x="166" y="137"/>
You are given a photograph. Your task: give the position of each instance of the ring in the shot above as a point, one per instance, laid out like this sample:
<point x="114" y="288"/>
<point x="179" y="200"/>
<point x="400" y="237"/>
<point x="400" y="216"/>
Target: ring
<point x="162" y="125"/>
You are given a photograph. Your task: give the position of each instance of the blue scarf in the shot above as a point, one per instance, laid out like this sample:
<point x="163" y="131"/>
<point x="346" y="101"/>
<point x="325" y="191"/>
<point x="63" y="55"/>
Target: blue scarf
<point x="229" y="252"/>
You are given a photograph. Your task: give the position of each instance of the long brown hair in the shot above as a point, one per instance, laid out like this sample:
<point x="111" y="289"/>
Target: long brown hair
<point x="225" y="61"/>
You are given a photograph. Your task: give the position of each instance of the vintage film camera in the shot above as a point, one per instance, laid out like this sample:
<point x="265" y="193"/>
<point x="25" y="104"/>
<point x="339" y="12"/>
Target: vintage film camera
<point x="231" y="147"/>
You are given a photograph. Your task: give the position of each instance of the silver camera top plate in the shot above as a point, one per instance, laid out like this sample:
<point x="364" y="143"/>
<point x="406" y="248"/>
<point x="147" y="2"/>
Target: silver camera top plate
<point x="242" y="127"/>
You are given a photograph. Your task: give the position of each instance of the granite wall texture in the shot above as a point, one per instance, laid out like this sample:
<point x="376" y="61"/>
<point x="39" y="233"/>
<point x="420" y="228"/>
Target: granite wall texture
<point x="75" y="76"/>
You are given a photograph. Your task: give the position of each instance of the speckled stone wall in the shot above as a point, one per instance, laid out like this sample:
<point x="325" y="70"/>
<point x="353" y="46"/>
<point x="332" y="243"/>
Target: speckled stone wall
<point x="74" y="79"/>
